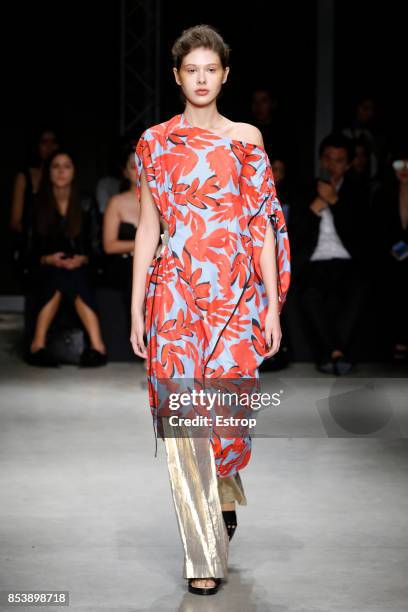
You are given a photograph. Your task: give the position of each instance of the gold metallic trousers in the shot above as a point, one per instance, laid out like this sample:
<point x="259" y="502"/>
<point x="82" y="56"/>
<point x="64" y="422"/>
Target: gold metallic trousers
<point x="198" y="495"/>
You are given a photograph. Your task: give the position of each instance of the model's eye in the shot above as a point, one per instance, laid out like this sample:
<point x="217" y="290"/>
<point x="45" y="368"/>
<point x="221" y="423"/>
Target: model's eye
<point x="191" y="70"/>
<point x="212" y="69"/>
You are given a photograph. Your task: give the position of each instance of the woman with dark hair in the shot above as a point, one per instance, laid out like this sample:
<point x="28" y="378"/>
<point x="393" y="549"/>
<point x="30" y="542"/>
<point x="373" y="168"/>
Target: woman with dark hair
<point x="390" y="211"/>
<point x="209" y="303"/>
<point x="65" y="240"/>
<point x="120" y="222"/>
<point x="26" y="185"/>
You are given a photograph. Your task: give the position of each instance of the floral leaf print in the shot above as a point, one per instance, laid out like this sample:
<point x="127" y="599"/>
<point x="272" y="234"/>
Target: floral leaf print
<point x="244" y="357"/>
<point x="196" y="194"/>
<point x="229" y="206"/>
<point x="179" y="162"/>
<point x="258" y="340"/>
<point x="223" y="165"/>
<point x="191" y="138"/>
<point x="171" y="361"/>
<point x="206" y="301"/>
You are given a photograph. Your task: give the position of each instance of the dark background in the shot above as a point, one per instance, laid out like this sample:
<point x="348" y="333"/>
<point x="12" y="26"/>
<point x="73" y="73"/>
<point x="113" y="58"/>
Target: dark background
<point x="61" y="67"/>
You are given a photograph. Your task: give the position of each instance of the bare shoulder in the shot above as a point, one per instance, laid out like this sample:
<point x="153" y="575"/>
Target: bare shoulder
<point x="248" y="133"/>
<point x="114" y="203"/>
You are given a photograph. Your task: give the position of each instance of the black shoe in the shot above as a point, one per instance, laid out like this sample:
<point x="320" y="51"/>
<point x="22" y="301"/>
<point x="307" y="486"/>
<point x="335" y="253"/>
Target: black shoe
<point x="91" y="358"/>
<point x="203" y="590"/>
<point x="42" y="359"/>
<point x="327" y="367"/>
<point x="230" y="520"/>
<point x="342" y="366"/>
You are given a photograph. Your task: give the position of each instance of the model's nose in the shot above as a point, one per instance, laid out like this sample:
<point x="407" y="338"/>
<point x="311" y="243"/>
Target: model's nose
<point x="201" y="77"/>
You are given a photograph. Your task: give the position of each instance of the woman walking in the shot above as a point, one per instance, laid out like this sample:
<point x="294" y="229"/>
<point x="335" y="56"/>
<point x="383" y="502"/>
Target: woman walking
<point x="209" y="302"/>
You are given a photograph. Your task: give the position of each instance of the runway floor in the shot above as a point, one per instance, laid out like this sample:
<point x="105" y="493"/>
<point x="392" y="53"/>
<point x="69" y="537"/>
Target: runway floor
<point x="86" y="508"/>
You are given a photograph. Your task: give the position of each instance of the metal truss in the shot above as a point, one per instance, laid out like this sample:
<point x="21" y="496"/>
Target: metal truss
<point x="139" y="64"/>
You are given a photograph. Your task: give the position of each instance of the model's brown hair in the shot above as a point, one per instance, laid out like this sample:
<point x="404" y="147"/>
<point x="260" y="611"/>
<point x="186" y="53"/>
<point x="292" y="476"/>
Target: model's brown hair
<point x="200" y="36"/>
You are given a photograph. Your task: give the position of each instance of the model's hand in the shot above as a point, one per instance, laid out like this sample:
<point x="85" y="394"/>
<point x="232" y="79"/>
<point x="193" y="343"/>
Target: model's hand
<point x="136" y="335"/>
<point x="273" y="333"/>
<point x="327" y="192"/>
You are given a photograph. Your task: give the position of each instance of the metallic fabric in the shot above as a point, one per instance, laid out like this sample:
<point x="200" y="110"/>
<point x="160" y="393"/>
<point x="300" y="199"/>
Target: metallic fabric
<point x="231" y="489"/>
<point x="193" y="479"/>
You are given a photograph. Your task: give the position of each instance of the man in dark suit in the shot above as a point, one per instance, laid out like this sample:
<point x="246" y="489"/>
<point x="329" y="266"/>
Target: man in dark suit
<point x="329" y="238"/>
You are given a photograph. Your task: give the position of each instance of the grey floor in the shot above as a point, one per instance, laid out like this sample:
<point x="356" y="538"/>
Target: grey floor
<point x="87" y="508"/>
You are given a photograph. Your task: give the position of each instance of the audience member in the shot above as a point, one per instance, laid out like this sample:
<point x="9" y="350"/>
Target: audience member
<point x="365" y="127"/>
<point x="328" y="252"/>
<point x="25" y="189"/>
<point x="120" y="223"/>
<point x="64" y="242"/>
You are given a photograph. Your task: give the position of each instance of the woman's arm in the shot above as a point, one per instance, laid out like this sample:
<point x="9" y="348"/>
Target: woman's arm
<point x="269" y="270"/>
<point x="111" y="223"/>
<point x="146" y="241"/>
<point x="267" y="262"/>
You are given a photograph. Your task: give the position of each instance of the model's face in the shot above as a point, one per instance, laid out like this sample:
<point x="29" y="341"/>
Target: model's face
<point x="47" y="144"/>
<point x="335" y="161"/>
<point x="402" y="173"/>
<point x="201" y="76"/>
<point x="62" y="171"/>
<point x="278" y="169"/>
<point x="130" y="170"/>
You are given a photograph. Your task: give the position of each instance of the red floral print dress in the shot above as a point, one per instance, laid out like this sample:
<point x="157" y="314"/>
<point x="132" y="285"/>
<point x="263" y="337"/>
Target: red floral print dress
<point x="205" y="299"/>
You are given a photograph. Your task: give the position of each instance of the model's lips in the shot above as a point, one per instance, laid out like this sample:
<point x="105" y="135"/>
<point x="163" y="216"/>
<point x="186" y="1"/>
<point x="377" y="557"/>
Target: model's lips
<point x="201" y="92"/>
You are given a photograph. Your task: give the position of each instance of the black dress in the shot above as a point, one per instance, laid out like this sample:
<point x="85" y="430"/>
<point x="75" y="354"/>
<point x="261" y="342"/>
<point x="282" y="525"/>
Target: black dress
<point x="47" y="279"/>
<point x="119" y="268"/>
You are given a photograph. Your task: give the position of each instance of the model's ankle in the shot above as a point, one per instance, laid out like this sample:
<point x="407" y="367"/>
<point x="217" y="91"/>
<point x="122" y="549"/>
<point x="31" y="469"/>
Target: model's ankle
<point x="229" y="506"/>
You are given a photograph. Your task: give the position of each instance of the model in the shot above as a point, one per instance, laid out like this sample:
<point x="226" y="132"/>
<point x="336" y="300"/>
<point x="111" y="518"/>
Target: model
<point x="209" y="302"/>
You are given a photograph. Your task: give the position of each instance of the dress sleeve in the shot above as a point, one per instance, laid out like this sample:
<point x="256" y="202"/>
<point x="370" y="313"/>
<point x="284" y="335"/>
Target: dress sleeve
<point x="147" y="157"/>
<point x="144" y="160"/>
<point x="259" y="191"/>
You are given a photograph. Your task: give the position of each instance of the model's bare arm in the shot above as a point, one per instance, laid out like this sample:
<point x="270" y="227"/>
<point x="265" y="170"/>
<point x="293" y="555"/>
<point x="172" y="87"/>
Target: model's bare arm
<point x="269" y="270"/>
<point x="146" y="241"/>
<point x="268" y="265"/>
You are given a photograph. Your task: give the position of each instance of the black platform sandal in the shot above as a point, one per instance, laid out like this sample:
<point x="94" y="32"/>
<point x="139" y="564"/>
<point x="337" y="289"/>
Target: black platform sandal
<point x="230" y="520"/>
<point x="204" y="590"/>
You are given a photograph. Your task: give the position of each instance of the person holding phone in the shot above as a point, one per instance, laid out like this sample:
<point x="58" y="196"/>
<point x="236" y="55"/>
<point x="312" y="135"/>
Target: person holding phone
<point x="329" y="257"/>
<point x="390" y="209"/>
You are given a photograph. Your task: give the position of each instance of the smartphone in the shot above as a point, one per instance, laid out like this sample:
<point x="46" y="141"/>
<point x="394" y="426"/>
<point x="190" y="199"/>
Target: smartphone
<point x="400" y="250"/>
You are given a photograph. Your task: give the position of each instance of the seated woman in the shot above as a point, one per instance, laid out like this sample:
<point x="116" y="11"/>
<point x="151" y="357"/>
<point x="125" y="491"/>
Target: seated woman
<point x="63" y="244"/>
<point x="25" y="191"/>
<point x="121" y="219"/>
